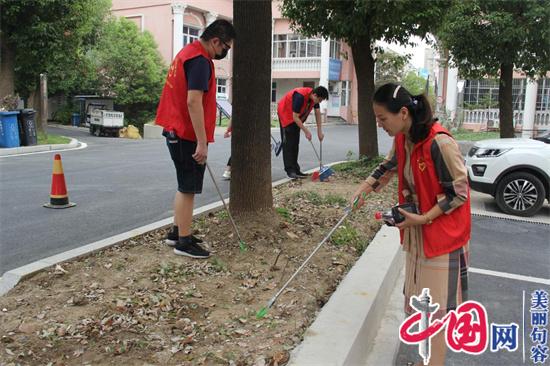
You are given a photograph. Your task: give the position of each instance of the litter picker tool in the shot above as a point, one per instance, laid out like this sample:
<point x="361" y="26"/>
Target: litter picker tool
<point x="324" y="171"/>
<point x="242" y="244"/>
<point x="263" y="311"/>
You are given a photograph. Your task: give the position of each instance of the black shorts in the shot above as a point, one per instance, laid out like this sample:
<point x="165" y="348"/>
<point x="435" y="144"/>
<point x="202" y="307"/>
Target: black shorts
<point x="190" y="174"/>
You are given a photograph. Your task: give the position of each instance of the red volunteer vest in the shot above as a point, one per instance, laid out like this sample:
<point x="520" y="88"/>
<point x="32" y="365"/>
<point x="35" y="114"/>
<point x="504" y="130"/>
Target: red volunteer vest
<point x="284" y="108"/>
<point x="172" y="112"/>
<point x="448" y="232"/>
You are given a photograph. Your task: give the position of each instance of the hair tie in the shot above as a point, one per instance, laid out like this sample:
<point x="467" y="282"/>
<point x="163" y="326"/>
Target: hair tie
<point x="395" y="91"/>
<point x="415" y="103"/>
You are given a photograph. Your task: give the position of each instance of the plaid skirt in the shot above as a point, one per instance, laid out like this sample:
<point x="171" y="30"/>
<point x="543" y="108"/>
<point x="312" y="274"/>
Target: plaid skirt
<point x="446" y="275"/>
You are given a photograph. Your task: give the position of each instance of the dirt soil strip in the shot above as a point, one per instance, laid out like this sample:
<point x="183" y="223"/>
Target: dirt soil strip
<point x="138" y="303"/>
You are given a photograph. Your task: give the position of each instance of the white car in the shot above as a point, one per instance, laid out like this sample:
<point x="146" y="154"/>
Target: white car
<point x="516" y="172"/>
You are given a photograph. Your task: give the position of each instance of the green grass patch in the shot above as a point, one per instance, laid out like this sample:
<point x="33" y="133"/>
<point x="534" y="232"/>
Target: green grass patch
<point x="284" y="213"/>
<point x="51" y="139"/>
<point x="317" y="199"/>
<point x="345" y="235"/>
<point x="335" y="200"/>
<point x="313" y="197"/>
<point x="465" y="135"/>
<point x="218" y="265"/>
<point x="361" y="168"/>
<point x="348" y="235"/>
<point x="222" y="215"/>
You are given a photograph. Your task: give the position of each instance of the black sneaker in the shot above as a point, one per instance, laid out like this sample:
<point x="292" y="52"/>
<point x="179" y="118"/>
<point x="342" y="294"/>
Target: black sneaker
<point x="172" y="237"/>
<point x="191" y="249"/>
<point x="293" y="175"/>
<point x="301" y="175"/>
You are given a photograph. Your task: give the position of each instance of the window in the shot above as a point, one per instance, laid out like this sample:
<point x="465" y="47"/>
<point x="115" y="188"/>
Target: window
<point x="543" y="94"/>
<point x="279" y="45"/>
<point x="221" y="86"/>
<point x="483" y="94"/>
<point x="273" y="92"/>
<point x="335" y="47"/>
<point x="295" y="45"/>
<point x="190" y="35"/>
<point x="346" y="88"/>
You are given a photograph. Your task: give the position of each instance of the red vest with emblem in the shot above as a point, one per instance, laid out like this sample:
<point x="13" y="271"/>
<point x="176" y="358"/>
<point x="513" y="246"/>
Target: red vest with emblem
<point x="447" y="232"/>
<point x="172" y="112"/>
<point x="284" y="109"/>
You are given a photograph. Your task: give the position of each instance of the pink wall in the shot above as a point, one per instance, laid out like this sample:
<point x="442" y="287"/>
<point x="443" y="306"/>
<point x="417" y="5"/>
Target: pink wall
<point x="155" y="15"/>
<point x="157" y="18"/>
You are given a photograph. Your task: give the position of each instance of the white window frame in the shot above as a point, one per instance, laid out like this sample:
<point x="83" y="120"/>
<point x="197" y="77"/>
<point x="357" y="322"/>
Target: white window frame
<point x="221" y="89"/>
<point x="345" y="95"/>
<point x="335" y="49"/>
<point x="188" y="37"/>
<point x="295" y="46"/>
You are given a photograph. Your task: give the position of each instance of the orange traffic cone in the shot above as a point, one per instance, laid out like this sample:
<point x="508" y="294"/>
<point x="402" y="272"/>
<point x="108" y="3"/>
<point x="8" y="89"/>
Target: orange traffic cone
<point x="58" y="196"/>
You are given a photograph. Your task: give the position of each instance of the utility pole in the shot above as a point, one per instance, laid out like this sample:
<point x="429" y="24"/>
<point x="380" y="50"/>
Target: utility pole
<point x="43" y="103"/>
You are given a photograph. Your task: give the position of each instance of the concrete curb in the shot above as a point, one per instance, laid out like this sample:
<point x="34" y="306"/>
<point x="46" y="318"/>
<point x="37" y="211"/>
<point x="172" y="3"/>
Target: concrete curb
<point x="11" y="278"/>
<point x="68" y="127"/>
<point x="344" y="331"/>
<point x="40" y="148"/>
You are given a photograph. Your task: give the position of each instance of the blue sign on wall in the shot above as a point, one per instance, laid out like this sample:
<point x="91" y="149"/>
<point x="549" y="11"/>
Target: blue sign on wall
<point x="334" y="68"/>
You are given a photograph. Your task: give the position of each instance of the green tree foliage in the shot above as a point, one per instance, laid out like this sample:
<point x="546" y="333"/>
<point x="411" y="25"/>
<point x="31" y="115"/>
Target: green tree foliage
<point x="360" y="23"/>
<point x="492" y="38"/>
<point x="390" y="67"/>
<point x="50" y="36"/>
<point x="128" y="67"/>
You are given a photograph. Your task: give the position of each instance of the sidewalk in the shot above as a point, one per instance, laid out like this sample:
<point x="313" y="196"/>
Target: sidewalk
<point x="74" y="144"/>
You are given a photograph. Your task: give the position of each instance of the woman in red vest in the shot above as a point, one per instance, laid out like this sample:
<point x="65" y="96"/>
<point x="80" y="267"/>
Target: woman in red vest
<point x="431" y="173"/>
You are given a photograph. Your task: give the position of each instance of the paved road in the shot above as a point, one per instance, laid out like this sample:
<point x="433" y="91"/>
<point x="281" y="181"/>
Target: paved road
<point x="118" y="185"/>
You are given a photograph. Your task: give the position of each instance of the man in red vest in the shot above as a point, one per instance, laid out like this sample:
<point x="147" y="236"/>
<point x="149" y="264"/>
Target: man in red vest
<point x="187" y="111"/>
<point x="293" y="109"/>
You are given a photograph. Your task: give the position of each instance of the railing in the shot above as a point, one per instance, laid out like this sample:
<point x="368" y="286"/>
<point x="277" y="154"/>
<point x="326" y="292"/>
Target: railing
<point x="297" y="64"/>
<point x="490" y="118"/>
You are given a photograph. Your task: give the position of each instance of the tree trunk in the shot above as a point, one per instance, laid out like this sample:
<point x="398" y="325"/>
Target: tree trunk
<point x="364" y="68"/>
<point x="505" y="104"/>
<point x="250" y="146"/>
<point x="7" y="63"/>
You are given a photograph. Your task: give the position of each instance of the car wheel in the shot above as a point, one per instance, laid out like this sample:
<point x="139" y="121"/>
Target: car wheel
<point x="520" y="194"/>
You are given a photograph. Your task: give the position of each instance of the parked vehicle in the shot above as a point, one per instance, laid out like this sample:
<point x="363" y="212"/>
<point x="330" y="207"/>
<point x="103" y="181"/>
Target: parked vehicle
<point x="516" y="172"/>
<point x="106" y="123"/>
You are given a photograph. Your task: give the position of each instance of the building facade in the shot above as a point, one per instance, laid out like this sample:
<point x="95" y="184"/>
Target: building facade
<point x="297" y="61"/>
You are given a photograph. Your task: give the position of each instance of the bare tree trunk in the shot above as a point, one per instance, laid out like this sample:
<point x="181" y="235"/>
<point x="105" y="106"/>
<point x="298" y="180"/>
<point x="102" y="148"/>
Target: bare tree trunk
<point x="250" y="145"/>
<point x="43" y="121"/>
<point x="505" y="105"/>
<point x="364" y="68"/>
<point x="7" y="63"/>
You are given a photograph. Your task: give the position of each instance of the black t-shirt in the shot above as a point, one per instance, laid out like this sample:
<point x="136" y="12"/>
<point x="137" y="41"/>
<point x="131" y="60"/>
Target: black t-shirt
<point x="197" y="71"/>
<point x="298" y="102"/>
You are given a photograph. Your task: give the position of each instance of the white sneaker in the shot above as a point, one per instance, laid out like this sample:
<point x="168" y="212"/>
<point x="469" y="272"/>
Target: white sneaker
<point x="227" y="174"/>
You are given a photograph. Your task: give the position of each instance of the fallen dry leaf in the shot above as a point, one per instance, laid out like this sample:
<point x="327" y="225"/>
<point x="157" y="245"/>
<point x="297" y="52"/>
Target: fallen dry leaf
<point x="291" y="235"/>
<point x="59" y="270"/>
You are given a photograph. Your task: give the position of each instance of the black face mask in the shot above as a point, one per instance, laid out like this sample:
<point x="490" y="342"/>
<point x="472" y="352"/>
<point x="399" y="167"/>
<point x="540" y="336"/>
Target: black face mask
<point x="221" y="55"/>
